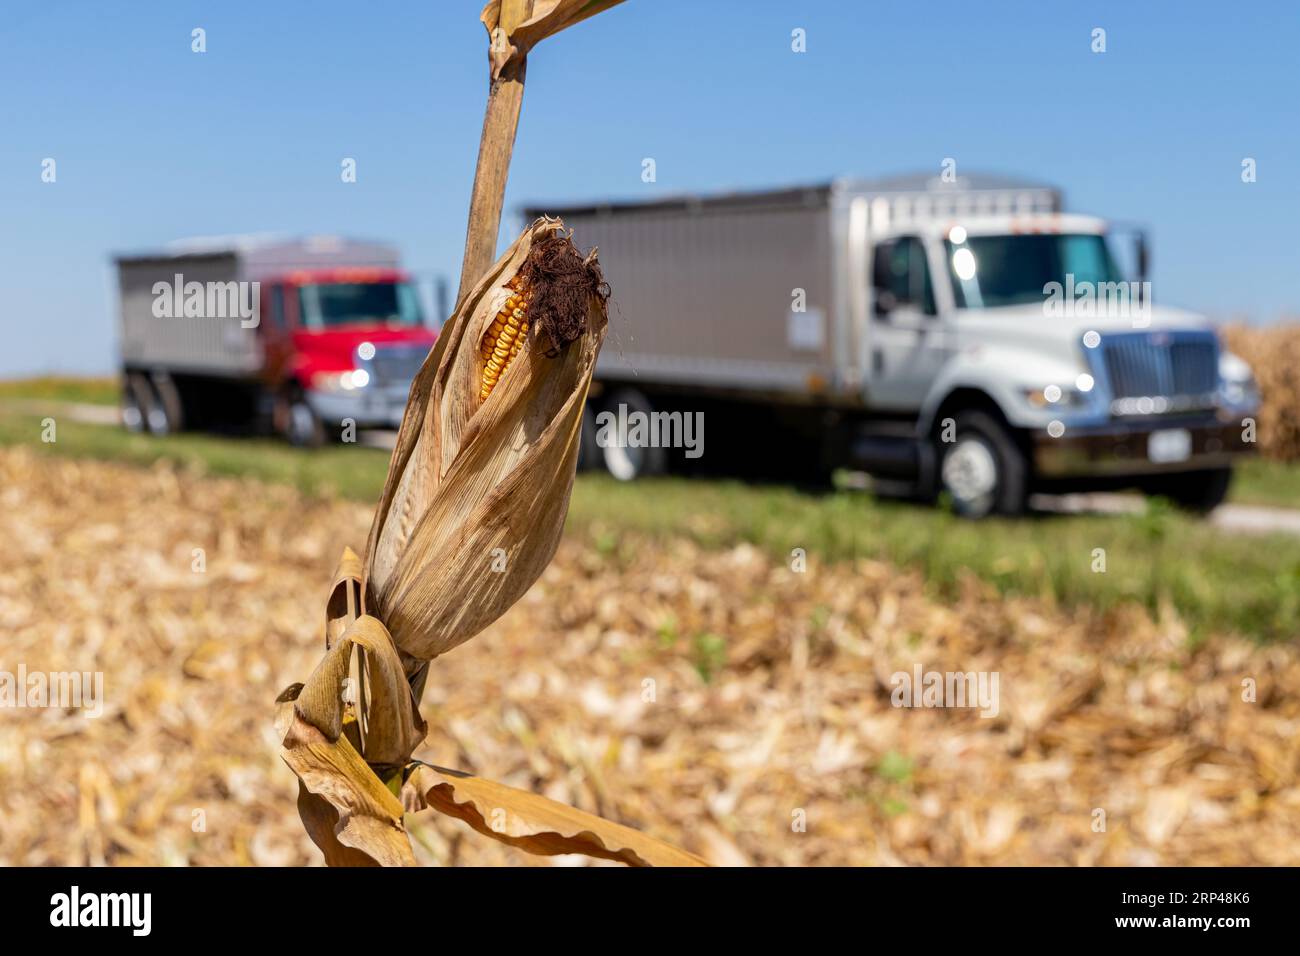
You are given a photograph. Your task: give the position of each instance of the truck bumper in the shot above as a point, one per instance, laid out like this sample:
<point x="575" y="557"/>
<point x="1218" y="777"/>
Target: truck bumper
<point x="367" y="407"/>
<point x="1121" y="449"/>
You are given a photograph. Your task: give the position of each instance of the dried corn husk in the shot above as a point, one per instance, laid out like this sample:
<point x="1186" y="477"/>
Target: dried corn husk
<point x="477" y="491"/>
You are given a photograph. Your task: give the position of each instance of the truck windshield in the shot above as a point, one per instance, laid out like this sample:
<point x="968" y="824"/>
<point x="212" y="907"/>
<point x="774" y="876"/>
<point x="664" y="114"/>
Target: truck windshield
<point x="992" y="271"/>
<point x="359" y="303"/>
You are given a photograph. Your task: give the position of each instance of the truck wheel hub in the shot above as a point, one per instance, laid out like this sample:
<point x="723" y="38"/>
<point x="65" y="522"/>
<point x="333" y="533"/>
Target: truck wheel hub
<point x="970" y="472"/>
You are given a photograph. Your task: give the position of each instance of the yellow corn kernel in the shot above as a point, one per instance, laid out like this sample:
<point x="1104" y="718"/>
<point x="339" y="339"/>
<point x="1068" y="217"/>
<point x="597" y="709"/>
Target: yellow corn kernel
<point x="503" y="340"/>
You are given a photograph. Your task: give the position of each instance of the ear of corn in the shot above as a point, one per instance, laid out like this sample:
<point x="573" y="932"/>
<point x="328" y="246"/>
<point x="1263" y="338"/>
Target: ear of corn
<point x="465" y="479"/>
<point x="504" y="338"/>
<point x="439" y="515"/>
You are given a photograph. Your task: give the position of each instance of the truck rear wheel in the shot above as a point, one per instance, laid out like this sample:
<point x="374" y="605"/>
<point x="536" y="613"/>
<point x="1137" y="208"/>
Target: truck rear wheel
<point x="626" y="462"/>
<point x="983" y="469"/>
<point x="134" y="402"/>
<point x="166" y="415"/>
<point x="1199" y="492"/>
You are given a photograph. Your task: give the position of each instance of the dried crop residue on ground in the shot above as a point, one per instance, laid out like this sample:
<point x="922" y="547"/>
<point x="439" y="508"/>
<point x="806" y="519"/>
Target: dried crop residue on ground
<point x="771" y="696"/>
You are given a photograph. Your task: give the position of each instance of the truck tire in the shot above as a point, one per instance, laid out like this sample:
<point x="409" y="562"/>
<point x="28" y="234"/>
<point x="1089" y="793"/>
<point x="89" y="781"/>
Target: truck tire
<point x="1199" y="492"/>
<point x="302" y="426"/>
<point x="623" y="462"/>
<point x="134" y="402"/>
<point x="983" y="469"/>
<point x="166" y="414"/>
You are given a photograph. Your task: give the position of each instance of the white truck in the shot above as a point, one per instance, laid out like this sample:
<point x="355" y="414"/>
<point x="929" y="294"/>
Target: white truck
<point x="966" y="338"/>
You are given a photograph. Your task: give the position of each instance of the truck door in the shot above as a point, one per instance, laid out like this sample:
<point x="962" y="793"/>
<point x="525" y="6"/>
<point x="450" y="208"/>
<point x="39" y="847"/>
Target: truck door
<point x="907" y="341"/>
<point x="277" y="344"/>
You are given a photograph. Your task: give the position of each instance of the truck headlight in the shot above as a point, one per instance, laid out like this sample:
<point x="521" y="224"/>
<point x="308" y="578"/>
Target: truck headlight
<point x="1237" y="378"/>
<point x="348" y="381"/>
<point x="1056" y="396"/>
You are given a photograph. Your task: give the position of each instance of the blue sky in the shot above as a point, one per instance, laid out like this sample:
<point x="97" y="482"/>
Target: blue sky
<point x="154" y="142"/>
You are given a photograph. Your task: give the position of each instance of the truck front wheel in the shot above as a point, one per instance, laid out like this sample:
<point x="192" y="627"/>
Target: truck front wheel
<point x="1199" y="492"/>
<point x="983" y="470"/>
<point x="299" y="422"/>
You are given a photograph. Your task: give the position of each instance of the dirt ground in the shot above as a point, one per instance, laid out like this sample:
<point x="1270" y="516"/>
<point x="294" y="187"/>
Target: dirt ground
<point x="718" y="700"/>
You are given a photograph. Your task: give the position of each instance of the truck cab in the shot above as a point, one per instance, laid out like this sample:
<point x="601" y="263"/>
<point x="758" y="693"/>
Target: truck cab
<point x="341" y="345"/>
<point x="1031" y="360"/>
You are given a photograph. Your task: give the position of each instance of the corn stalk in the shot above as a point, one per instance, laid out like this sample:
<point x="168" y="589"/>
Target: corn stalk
<point x="514" y="27"/>
<point x="471" y="514"/>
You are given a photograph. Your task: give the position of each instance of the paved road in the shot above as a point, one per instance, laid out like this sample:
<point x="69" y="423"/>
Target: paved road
<point x="1246" y="519"/>
<point x="1250" y="519"/>
<point x="88" y="414"/>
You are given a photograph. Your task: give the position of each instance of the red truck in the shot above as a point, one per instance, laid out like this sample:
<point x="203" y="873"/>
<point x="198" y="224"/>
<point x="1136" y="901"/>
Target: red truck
<point x="305" y="337"/>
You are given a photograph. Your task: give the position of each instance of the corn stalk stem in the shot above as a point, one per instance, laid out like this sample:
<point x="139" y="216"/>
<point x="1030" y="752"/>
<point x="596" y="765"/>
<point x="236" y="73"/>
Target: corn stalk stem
<point x="496" y="144"/>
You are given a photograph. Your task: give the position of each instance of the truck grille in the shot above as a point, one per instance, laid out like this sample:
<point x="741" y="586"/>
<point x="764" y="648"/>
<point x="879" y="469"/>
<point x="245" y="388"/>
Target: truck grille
<point x="395" y="366"/>
<point x="1160" y="372"/>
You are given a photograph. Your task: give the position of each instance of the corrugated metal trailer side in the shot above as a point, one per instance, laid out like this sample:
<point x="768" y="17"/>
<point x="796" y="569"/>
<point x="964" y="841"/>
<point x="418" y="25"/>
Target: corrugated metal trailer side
<point x="703" y="290"/>
<point x="219" y="346"/>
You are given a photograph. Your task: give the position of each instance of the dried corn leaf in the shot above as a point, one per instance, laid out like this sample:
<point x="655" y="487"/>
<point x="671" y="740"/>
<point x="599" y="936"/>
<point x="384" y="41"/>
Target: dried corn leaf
<point x="348" y="812"/>
<point x="534" y="823"/>
<point x="548" y="18"/>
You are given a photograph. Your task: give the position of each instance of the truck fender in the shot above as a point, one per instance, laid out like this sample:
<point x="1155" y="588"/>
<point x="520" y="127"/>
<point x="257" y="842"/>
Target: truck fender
<point x="996" y="376"/>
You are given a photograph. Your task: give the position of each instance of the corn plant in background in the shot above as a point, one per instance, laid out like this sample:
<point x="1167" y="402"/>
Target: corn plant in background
<point x="471" y="514"/>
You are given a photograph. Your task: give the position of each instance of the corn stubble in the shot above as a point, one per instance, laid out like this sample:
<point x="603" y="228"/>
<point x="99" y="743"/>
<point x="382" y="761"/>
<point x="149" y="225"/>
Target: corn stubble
<point x="471" y="514"/>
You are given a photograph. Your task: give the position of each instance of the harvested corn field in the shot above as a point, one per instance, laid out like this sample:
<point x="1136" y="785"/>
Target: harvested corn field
<point x="716" y="699"/>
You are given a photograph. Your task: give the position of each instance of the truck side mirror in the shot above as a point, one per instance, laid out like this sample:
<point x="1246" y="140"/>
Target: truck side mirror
<point x="1143" y="266"/>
